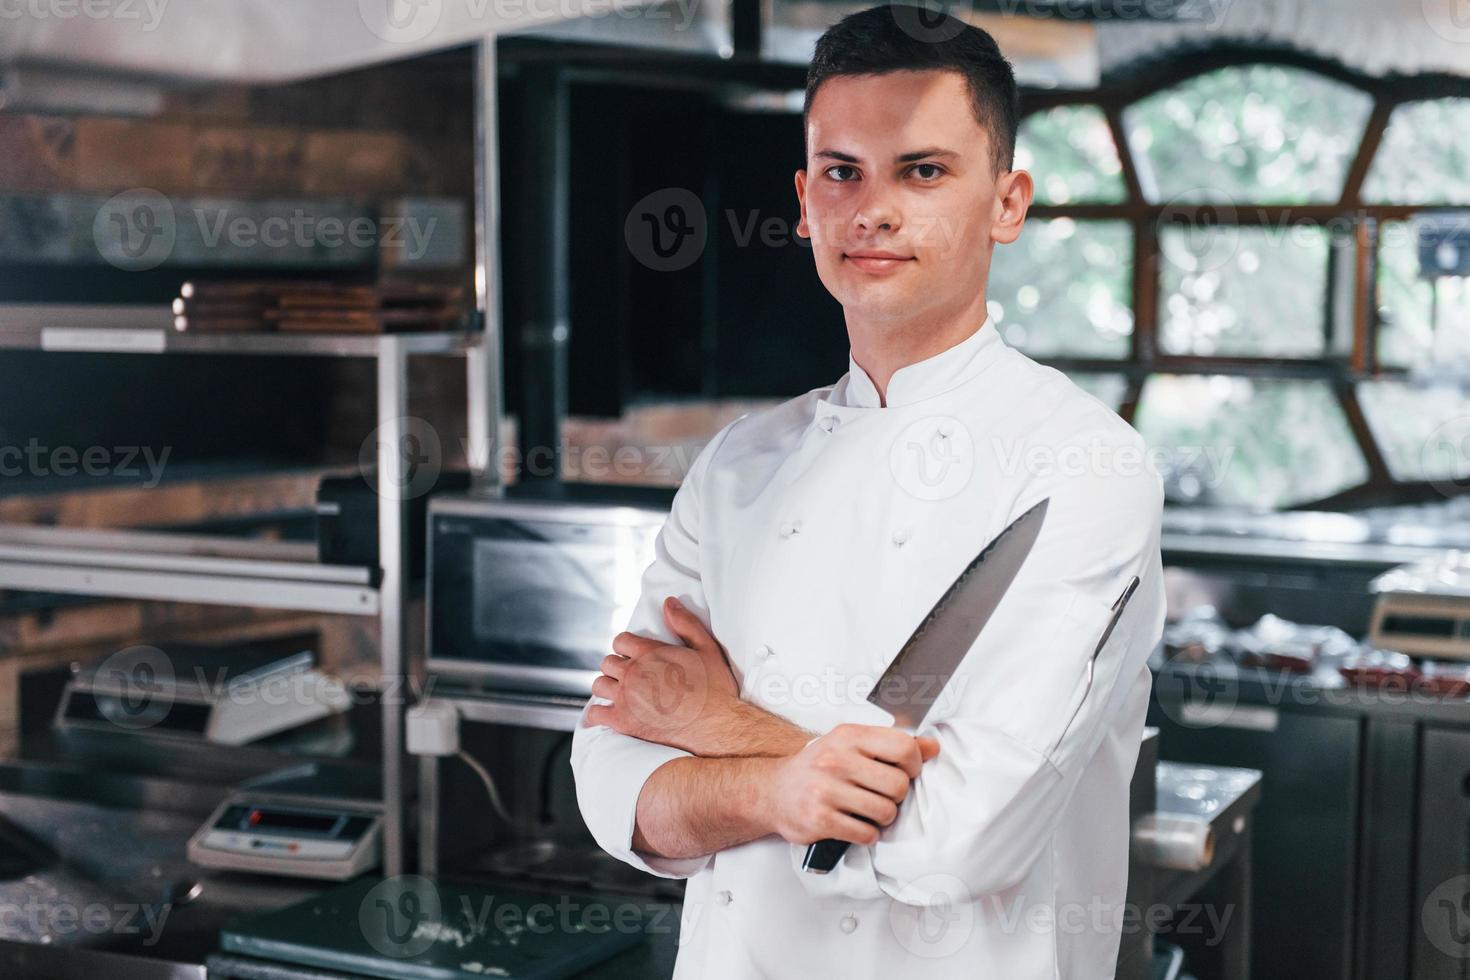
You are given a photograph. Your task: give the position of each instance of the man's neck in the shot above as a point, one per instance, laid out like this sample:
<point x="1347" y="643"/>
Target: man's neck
<point x="882" y="348"/>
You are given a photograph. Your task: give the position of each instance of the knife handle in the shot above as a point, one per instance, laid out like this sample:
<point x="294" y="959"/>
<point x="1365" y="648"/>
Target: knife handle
<point x="823" y="856"/>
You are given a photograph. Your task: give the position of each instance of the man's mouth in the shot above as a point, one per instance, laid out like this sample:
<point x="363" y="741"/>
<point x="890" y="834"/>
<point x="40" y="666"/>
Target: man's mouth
<point x="873" y="260"/>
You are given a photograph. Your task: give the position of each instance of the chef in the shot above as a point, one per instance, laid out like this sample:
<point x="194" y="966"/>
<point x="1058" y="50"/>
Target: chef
<point x="729" y="728"/>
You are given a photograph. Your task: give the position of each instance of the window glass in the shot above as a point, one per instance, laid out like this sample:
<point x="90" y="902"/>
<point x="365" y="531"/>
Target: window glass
<point x="1243" y="290"/>
<point x="1064" y="288"/>
<point x="1070" y="153"/>
<point x="1423" y="314"/>
<point x="1262" y="133"/>
<point x="1248" y="442"/>
<point x="1107" y="388"/>
<point x="1423" y="430"/>
<point x="1424" y="157"/>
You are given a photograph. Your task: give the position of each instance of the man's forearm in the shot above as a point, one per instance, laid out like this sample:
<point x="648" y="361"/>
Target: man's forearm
<point x="690" y="807"/>
<point x="747" y="730"/>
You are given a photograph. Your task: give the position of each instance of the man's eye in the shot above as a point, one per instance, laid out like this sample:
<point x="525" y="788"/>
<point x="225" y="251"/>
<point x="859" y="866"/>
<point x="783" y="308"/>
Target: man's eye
<point x="842" y="173"/>
<point x="928" y="171"/>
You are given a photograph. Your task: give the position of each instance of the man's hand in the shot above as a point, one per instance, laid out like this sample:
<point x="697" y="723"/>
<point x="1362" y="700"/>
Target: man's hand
<point x="673" y="695"/>
<point x="853" y="769"/>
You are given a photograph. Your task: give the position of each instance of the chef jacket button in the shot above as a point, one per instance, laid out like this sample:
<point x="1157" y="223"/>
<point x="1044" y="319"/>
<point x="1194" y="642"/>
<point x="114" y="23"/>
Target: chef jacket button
<point x="828" y="423"/>
<point x="848" y="923"/>
<point x="724" y="898"/>
<point x="946" y="428"/>
<point x="788" y="528"/>
<point x="900" y="537"/>
<point x="765" y="651"/>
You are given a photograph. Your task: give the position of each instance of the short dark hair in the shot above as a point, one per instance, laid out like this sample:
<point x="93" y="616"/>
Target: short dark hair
<point x="900" y="37"/>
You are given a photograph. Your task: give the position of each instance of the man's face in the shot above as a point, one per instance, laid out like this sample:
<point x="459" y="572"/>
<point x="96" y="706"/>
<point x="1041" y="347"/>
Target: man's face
<point x="900" y="196"/>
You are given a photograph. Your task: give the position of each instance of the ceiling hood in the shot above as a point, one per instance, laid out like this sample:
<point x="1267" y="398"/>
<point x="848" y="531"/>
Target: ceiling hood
<point x="1067" y="43"/>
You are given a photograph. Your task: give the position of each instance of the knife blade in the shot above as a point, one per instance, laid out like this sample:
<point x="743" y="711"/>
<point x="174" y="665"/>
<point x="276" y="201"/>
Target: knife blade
<point x="925" y="663"/>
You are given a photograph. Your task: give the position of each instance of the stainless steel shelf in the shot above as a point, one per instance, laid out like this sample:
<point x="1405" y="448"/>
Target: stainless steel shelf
<point x="73" y="328"/>
<point x="549" y="714"/>
<point x="160" y="567"/>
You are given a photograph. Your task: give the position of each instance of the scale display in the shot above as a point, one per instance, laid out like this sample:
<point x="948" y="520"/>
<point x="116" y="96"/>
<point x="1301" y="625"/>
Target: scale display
<point x="257" y="835"/>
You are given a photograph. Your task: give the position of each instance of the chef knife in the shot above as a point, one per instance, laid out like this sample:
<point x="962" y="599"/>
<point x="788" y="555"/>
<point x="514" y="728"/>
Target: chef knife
<point x="925" y="663"/>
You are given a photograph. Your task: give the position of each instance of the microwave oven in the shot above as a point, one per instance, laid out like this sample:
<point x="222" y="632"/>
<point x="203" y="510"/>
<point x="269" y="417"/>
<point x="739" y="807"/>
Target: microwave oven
<point x="527" y="591"/>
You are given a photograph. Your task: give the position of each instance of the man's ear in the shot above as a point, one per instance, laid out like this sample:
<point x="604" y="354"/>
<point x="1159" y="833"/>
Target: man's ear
<point x="801" y="228"/>
<point x="1013" y="191"/>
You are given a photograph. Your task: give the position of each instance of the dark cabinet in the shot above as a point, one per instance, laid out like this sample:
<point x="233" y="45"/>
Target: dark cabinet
<point x="1305" y="832"/>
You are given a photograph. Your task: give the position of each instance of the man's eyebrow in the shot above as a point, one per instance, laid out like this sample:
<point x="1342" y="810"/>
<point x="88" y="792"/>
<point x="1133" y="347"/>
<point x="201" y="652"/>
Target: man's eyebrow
<point x="924" y="154"/>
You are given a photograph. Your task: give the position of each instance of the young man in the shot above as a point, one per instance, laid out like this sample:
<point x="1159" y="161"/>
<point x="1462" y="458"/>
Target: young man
<point x="729" y="729"/>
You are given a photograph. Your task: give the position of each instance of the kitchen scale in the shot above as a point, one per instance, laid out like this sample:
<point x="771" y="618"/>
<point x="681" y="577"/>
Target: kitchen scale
<point x="309" y="821"/>
<point x="193" y="693"/>
<point x="1423" y="609"/>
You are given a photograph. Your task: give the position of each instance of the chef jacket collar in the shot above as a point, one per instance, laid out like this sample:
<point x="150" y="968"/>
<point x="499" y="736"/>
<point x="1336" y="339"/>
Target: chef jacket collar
<point x="923" y="379"/>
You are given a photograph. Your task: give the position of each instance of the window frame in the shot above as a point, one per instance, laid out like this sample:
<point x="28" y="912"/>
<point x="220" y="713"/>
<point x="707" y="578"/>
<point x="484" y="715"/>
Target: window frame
<point x="1360" y="222"/>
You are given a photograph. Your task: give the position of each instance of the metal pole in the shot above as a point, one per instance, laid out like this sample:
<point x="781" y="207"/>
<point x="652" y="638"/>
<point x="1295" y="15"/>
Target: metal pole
<point x="485" y="389"/>
<point x="392" y="488"/>
<point x="428" y="815"/>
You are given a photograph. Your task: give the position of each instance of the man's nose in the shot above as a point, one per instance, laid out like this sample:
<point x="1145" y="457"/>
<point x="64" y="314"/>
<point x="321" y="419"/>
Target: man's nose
<point x="876" y="212"/>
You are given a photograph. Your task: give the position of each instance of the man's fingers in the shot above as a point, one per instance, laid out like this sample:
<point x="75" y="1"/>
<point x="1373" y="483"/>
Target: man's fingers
<point x="600" y="714"/>
<point x="687" y="626"/>
<point x="615" y="665"/>
<point x="853" y="830"/>
<point x="865" y="803"/>
<point x="604" y="687"/>
<point x="891" y="746"/>
<point x="880" y="777"/>
<point x="633" y="645"/>
<point x="928" y="746"/>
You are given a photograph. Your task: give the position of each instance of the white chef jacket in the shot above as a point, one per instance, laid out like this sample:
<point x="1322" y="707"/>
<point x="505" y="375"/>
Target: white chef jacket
<point x="812" y="538"/>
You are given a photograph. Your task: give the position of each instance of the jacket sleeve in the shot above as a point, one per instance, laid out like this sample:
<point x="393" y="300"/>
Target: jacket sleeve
<point x="610" y="768"/>
<point x="1029" y="706"/>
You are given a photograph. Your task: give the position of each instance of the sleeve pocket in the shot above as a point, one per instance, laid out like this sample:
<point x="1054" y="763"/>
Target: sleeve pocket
<point x="1084" y="625"/>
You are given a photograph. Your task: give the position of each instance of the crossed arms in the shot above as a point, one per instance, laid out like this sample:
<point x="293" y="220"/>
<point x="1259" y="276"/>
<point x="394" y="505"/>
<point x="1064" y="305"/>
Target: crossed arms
<point x="750" y="773"/>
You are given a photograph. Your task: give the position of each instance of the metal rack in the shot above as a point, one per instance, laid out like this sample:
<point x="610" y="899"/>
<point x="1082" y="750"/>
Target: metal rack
<point x="221" y="571"/>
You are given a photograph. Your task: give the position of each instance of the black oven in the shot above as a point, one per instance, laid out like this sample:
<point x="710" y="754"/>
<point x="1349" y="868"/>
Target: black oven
<point x="527" y="591"/>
